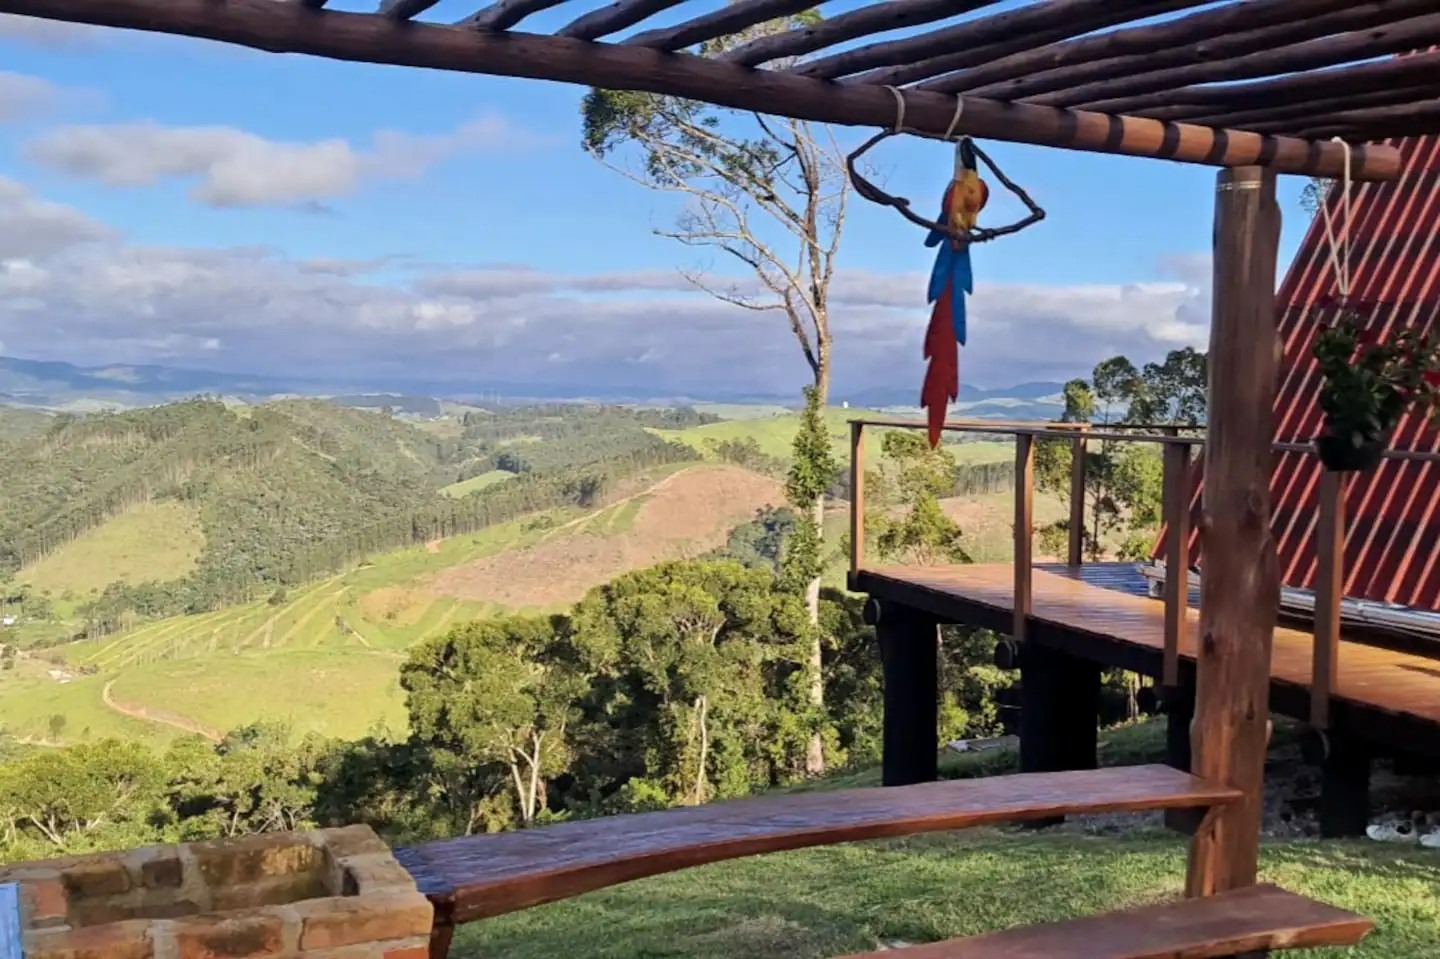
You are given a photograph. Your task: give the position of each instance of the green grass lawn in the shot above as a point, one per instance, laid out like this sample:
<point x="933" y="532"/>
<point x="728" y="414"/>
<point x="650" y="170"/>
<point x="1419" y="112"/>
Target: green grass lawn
<point x="153" y="542"/>
<point x="839" y="900"/>
<point x="845" y="899"/>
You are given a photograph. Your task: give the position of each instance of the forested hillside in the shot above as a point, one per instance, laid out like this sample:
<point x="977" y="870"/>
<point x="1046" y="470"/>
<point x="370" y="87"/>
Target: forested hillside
<point x="290" y="491"/>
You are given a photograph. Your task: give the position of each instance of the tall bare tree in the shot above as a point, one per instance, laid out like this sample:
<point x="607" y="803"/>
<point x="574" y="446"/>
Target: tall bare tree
<point x="767" y="193"/>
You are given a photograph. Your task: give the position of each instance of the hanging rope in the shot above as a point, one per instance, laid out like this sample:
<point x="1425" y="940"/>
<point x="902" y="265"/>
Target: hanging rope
<point x="1340" y="251"/>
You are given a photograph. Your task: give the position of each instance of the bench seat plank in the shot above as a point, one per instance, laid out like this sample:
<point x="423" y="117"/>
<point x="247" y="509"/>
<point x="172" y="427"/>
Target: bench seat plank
<point x="1230" y="924"/>
<point x="478" y="876"/>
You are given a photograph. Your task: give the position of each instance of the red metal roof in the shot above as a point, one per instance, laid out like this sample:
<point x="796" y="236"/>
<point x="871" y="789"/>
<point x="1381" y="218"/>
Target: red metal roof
<point x="1392" y="547"/>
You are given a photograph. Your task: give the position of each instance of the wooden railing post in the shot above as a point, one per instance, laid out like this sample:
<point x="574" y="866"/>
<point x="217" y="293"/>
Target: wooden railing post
<point x="1176" y="500"/>
<point x="1024" y="528"/>
<point x="1329" y="590"/>
<point x="857" y="496"/>
<point x="1240" y="591"/>
<point x="1076" y="553"/>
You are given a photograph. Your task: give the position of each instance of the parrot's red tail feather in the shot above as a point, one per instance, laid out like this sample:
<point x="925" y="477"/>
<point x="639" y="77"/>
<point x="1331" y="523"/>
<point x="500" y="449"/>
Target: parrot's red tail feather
<point x="942" y="375"/>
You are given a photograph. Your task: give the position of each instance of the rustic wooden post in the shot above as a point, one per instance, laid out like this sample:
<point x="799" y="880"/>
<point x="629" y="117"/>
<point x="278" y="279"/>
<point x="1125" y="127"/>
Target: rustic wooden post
<point x="1176" y="505"/>
<point x="1329" y="590"/>
<point x="1024" y="529"/>
<point x="1240" y="585"/>
<point x="1076" y="553"/>
<point x="909" y="652"/>
<point x="857" y="496"/>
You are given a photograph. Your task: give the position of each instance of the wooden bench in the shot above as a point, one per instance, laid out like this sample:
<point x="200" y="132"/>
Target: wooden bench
<point x="479" y="876"/>
<point x="1247" y="922"/>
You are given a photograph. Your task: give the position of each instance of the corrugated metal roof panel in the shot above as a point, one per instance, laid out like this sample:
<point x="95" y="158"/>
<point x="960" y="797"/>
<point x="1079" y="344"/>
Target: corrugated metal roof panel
<point x="1392" y="547"/>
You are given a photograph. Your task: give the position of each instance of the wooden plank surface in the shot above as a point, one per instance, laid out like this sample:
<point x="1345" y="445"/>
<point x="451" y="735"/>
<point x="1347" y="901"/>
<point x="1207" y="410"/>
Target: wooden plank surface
<point x="1368" y="676"/>
<point x="1243" y="921"/>
<point x="479" y="876"/>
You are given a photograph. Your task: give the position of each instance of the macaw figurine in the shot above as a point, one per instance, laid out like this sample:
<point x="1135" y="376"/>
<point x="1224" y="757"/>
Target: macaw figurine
<point x="950" y="282"/>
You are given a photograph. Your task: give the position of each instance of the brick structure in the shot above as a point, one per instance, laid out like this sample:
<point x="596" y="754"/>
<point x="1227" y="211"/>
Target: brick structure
<point x="326" y="894"/>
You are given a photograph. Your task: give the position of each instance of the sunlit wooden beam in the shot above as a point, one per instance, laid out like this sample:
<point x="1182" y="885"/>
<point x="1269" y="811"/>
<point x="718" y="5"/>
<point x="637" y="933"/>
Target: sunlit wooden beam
<point x="277" y="27"/>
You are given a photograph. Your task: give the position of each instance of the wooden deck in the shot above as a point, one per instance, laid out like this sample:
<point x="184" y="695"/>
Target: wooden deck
<point x="1382" y="694"/>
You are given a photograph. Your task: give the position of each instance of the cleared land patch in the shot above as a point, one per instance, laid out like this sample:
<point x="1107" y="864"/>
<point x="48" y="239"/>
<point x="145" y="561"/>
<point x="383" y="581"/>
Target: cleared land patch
<point x="466" y="487"/>
<point x="152" y="542"/>
<point x="684" y="515"/>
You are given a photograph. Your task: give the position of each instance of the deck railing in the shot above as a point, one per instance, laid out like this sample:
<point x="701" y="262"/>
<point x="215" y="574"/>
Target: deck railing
<point x="1178" y="449"/>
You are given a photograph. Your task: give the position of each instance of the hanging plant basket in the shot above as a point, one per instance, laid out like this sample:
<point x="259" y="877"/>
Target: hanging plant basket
<point x="1341" y="454"/>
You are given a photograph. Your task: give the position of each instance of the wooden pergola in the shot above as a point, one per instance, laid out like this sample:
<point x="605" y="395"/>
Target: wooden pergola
<point x="1255" y="87"/>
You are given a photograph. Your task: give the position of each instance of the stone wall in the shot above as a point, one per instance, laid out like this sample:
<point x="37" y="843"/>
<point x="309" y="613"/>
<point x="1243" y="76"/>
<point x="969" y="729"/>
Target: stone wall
<point x="326" y="894"/>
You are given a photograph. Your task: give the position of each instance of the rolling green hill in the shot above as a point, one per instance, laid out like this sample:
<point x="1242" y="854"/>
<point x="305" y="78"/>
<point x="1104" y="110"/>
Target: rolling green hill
<point x="223" y="566"/>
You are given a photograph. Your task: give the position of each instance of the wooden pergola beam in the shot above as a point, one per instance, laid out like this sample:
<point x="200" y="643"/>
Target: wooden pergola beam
<point x="266" y="25"/>
<point x="504" y="14"/>
<point x="1375" y="122"/>
<point x="1315" y="113"/>
<point x="404" y="9"/>
<point x="1319" y="87"/>
<point x="728" y="20"/>
<point x="1122" y="52"/>
<point x="1326" y="51"/>
<point x="847" y="26"/>
<point x="616" y="16"/>
<point x="1073" y="17"/>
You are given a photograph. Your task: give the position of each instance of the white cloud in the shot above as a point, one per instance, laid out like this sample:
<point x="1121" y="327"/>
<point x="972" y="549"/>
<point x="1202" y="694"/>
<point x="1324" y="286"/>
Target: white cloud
<point x="22" y="95"/>
<point x="39" y="32"/>
<point x="72" y="289"/>
<point x="235" y="168"/>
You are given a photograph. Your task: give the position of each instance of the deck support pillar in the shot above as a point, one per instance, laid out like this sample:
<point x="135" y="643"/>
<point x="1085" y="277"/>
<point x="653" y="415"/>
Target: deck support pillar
<point x="909" y="652"/>
<point x="1059" y="713"/>
<point x="1344" y="788"/>
<point x="1240" y="581"/>
<point x="1179" y="714"/>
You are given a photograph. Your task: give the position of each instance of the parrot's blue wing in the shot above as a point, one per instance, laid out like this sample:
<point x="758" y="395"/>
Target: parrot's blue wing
<point x="935" y="236"/>
<point x="957" y="316"/>
<point x="940" y="273"/>
<point x="964" y="281"/>
<point x="964" y="278"/>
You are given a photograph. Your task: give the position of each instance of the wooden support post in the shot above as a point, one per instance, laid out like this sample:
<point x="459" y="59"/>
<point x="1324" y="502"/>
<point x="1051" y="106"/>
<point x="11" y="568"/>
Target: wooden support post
<point x="1344" y="788"/>
<point x="1024" y="530"/>
<point x="1179" y="714"/>
<point x="1329" y="590"/>
<point x="1176" y="499"/>
<point x="857" y="496"/>
<point x="1076" y="552"/>
<point x="909" y="651"/>
<point x="1240" y="587"/>
<point x="1059" y="712"/>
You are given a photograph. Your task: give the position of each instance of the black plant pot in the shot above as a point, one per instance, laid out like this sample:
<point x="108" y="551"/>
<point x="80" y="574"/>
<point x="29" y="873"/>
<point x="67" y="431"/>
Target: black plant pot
<point x="1342" y="456"/>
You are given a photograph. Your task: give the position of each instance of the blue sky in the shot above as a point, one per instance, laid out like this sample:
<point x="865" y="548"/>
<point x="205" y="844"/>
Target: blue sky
<point x="222" y="208"/>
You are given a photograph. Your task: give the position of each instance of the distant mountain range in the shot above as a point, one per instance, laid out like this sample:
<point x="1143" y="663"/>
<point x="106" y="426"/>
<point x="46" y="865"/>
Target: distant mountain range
<point x="53" y="385"/>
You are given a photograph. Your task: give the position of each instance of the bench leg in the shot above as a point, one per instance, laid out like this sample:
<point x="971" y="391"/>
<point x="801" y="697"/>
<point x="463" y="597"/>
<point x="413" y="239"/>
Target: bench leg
<point x="1345" y="789"/>
<point x="1059" y="713"/>
<point x="440" y="935"/>
<point x="908" y="653"/>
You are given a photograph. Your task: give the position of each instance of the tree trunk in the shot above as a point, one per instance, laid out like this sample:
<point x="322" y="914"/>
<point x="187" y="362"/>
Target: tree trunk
<point x="701" y="708"/>
<point x="815" y="754"/>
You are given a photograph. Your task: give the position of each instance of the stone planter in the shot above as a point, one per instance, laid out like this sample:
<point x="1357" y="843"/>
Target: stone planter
<point x="327" y="894"/>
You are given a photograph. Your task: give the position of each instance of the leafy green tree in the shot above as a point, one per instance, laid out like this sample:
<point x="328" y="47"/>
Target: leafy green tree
<point x="700" y="683"/>
<point x="67" y="795"/>
<point x="499" y="692"/>
<point x="811" y="468"/>
<point x="905" y="519"/>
